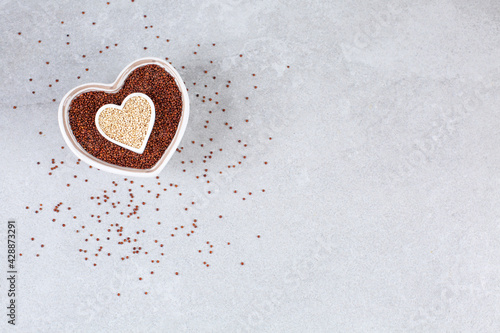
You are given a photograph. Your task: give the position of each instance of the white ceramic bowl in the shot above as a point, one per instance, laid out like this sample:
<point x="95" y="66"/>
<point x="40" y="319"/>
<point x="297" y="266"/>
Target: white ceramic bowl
<point x="113" y="88"/>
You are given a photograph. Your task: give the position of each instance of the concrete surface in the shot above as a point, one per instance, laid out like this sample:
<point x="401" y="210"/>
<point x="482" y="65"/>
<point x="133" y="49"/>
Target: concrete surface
<point x="381" y="204"/>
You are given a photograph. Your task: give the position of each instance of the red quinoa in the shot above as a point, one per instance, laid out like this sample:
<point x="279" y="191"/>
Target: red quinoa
<point x="151" y="80"/>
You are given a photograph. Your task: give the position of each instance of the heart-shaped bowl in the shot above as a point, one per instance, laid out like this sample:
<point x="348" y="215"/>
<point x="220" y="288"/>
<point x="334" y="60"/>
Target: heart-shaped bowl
<point x="114" y="87"/>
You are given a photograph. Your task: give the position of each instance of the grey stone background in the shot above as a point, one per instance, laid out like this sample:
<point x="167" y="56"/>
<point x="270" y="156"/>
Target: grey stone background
<point x="381" y="206"/>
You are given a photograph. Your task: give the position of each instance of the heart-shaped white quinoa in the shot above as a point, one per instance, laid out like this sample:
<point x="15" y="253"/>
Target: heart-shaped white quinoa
<point x="128" y="125"/>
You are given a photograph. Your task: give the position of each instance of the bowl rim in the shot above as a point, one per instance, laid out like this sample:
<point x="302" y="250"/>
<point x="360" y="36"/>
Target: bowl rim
<point x="115" y="86"/>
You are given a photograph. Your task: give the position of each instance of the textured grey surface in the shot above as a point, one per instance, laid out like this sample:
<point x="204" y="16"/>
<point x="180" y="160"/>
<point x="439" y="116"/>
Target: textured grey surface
<point x="381" y="210"/>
